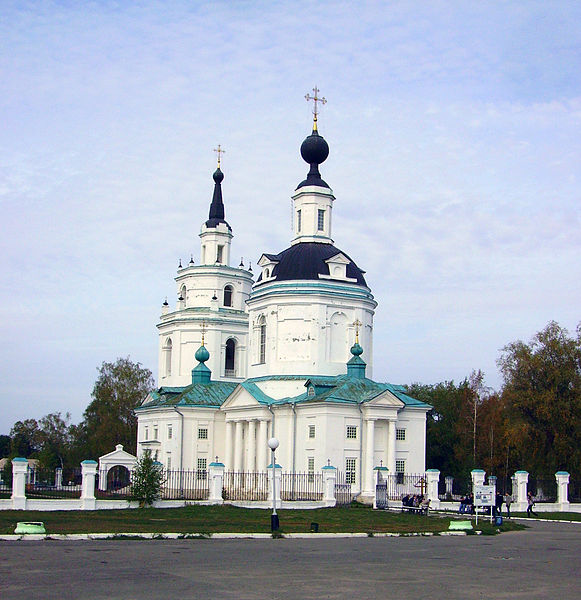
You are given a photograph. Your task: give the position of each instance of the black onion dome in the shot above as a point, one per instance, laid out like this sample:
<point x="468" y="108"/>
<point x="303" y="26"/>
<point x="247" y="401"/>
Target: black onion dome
<point x="218" y="176"/>
<point x="307" y="261"/>
<point x="314" y="151"/>
<point x="216" y="215"/>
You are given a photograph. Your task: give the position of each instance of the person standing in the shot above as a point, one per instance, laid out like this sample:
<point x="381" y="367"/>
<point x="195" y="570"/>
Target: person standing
<point x="531" y="503"/>
<point x="508" y="502"/>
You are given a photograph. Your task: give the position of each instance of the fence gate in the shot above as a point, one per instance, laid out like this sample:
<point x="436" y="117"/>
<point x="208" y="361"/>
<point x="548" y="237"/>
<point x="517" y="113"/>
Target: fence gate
<point x="381" y="496"/>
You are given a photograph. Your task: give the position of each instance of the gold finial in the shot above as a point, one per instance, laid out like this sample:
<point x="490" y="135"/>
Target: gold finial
<point x="203" y="328"/>
<point x="357" y="324"/>
<point x="219" y="151"/>
<point x="315" y="99"/>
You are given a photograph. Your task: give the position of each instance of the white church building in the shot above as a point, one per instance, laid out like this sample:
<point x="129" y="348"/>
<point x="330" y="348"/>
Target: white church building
<point x="287" y="355"/>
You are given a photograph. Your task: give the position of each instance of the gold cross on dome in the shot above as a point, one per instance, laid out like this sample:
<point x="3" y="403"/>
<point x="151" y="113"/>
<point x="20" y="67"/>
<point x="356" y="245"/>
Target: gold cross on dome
<point x="219" y="151"/>
<point x="357" y="324"/>
<point x="315" y="99"/>
<point x="203" y="328"/>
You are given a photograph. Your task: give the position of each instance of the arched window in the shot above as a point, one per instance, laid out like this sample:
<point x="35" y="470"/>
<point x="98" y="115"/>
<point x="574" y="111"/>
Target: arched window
<point x="182" y="297"/>
<point x="228" y="290"/>
<point x="167" y="357"/>
<point x="266" y="273"/>
<point x="230" y="365"/>
<point x="262" y="340"/>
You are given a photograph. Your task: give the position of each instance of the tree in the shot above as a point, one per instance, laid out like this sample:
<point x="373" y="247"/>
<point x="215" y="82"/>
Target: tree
<point x="147" y="480"/>
<point x="5" y="443"/>
<point x="25" y="438"/>
<point x="445" y="447"/>
<point x="109" y="419"/>
<point x="542" y="392"/>
<point x="54" y="440"/>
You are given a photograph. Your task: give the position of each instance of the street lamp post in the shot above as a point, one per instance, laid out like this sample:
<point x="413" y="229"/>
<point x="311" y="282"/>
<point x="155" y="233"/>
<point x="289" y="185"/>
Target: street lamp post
<point x="274" y="523"/>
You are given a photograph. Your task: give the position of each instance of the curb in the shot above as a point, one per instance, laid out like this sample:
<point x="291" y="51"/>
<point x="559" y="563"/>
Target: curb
<point x="212" y="536"/>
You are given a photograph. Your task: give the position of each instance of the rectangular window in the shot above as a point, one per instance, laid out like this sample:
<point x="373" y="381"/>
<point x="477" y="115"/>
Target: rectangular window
<point x="155" y="433"/>
<point x="146" y="433"/>
<point x="350" y="470"/>
<point x="321" y="220"/>
<point x="400" y="434"/>
<point x="400" y="466"/>
<point x="202" y="469"/>
<point x="202" y="433"/>
<point x="169" y="432"/>
<point x="219" y="253"/>
<point x="351" y="432"/>
<point x="299" y="221"/>
<point x="168" y="462"/>
<point x="311" y="431"/>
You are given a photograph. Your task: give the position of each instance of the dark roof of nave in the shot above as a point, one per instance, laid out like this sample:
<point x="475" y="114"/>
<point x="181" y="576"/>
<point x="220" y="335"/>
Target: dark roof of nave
<point x="306" y="260"/>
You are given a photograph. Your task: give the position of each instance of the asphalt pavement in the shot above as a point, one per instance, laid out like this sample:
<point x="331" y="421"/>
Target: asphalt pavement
<point x="539" y="563"/>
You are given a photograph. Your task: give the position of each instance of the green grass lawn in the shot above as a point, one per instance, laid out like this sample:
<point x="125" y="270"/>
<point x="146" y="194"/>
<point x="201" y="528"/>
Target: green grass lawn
<point x="228" y="519"/>
<point x="553" y="516"/>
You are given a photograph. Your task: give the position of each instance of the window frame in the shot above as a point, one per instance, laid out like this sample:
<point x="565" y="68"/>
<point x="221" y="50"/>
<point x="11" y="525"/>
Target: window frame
<point x="351" y="432"/>
<point x="202" y="433"/>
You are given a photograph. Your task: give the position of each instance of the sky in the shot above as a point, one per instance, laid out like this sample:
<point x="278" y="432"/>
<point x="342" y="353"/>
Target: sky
<point x="455" y="160"/>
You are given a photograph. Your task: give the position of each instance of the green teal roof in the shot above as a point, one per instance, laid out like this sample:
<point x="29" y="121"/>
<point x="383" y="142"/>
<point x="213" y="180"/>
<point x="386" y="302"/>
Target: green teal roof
<point x="333" y="389"/>
<point x="212" y="394"/>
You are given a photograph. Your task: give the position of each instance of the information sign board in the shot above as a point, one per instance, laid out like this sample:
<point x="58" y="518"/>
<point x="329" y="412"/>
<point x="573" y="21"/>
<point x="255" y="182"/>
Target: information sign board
<point x="484" y="495"/>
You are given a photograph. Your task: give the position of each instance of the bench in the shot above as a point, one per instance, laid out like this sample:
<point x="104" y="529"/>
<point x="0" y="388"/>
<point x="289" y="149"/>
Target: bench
<point x="420" y="510"/>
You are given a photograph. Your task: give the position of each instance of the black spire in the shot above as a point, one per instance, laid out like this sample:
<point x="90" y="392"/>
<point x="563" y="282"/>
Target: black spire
<point x="217" y="207"/>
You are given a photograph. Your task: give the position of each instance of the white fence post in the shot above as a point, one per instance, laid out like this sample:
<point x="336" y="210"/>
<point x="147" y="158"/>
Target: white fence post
<point x="89" y="472"/>
<point x="522" y="480"/>
<point x="19" y="470"/>
<point x="329" y="480"/>
<point x="216" y="475"/>
<point x="562" y="478"/>
<point x="378" y="476"/>
<point x="433" y="477"/>
<point x="478" y="476"/>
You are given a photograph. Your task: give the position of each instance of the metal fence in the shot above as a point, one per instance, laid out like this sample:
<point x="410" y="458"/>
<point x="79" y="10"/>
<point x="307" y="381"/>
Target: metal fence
<point x="301" y="486"/>
<point x="185" y="485"/>
<point x="6" y="483"/>
<point x="543" y="490"/>
<point x="574" y="491"/>
<point x="245" y="486"/>
<point x="54" y="483"/>
<point x="402" y="484"/>
<point x="113" y="484"/>
<point x="343" y="494"/>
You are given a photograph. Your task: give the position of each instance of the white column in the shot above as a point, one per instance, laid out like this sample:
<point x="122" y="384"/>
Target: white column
<point x="433" y="478"/>
<point x="251" y="466"/>
<point x="19" y="470"/>
<point x="562" y="478"/>
<point x="391" y="447"/>
<point x="228" y="450"/>
<point x="369" y="449"/>
<point x="262" y="445"/>
<point x="238" y="449"/>
<point x="88" y="472"/>
<point x="216" y="481"/>
<point x="329" y="479"/>
<point x="478" y="476"/>
<point x="522" y="480"/>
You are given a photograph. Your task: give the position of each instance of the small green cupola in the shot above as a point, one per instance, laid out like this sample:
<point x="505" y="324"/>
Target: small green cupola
<point x="356" y="365"/>
<point x="201" y="373"/>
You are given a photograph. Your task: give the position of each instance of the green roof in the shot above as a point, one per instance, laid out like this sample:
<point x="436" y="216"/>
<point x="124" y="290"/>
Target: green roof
<point x="337" y="389"/>
<point x="212" y="394"/>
